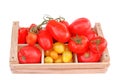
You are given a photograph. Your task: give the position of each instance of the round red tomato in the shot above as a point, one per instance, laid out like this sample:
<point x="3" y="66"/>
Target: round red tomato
<point x="80" y="26"/>
<point x="29" y="54"/>
<point x="97" y="44"/>
<point x="45" y="40"/>
<point x="89" y="56"/>
<point x="78" y="44"/>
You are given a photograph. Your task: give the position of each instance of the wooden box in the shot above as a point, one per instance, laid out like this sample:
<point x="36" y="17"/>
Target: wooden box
<point x="62" y="68"/>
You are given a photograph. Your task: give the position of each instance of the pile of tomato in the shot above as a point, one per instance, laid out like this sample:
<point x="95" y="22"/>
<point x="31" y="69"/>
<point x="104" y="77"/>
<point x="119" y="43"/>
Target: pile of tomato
<point x="60" y="40"/>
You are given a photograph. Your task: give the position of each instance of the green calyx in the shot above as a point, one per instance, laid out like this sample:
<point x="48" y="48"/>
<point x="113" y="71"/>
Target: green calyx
<point x="77" y="39"/>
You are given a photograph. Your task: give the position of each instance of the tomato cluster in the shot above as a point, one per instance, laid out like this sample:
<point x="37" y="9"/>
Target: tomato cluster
<point x="79" y="36"/>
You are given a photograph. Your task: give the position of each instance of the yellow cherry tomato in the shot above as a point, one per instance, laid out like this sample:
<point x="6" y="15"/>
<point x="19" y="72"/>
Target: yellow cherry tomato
<point x="54" y="54"/>
<point x="59" y="47"/>
<point x="59" y="59"/>
<point x="67" y="56"/>
<point x="47" y="52"/>
<point x="48" y="60"/>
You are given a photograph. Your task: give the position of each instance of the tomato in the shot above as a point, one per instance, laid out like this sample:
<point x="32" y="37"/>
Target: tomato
<point x="67" y="56"/>
<point x="54" y="55"/>
<point x="80" y="26"/>
<point x="48" y="59"/>
<point x="45" y="40"/>
<point x="29" y="54"/>
<point x="65" y="23"/>
<point x="97" y="44"/>
<point x="89" y="56"/>
<point x="22" y="33"/>
<point x="31" y="38"/>
<point x="59" y="59"/>
<point x="59" y="47"/>
<point x="58" y="31"/>
<point x="78" y="44"/>
<point x="91" y="34"/>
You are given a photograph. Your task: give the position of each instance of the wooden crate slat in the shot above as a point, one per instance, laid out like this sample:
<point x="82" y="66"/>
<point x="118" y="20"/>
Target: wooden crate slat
<point x="60" y="65"/>
<point x="14" y="42"/>
<point x="64" y="71"/>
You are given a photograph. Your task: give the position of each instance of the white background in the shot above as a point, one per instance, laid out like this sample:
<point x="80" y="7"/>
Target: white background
<point x="31" y="11"/>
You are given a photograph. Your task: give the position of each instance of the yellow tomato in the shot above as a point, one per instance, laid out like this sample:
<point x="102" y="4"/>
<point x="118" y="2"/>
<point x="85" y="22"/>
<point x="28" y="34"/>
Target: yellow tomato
<point x="48" y="60"/>
<point x="67" y="56"/>
<point x="47" y="52"/>
<point x="59" y="59"/>
<point x="59" y="47"/>
<point x="53" y="54"/>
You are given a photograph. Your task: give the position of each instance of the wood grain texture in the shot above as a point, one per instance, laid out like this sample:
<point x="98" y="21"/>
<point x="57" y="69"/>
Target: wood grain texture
<point x="61" y="71"/>
<point x="14" y="41"/>
<point x="61" y="68"/>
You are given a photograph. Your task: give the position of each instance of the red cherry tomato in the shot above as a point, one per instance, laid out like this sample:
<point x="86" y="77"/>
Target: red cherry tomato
<point x="58" y="31"/>
<point x="29" y="54"/>
<point x="45" y="40"/>
<point x="78" y="44"/>
<point x="22" y="33"/>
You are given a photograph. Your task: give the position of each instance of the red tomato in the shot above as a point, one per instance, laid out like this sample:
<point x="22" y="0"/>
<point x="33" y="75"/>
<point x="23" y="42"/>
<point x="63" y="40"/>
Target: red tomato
<point x="65" y="23"/>
<point x="31" y="38"/>
<point x="45" y="40"/>
<point x="33" y="28"/>
<point x="29" y="54"/>
<point x="78" y="44"/>
<point x="89" y="56"/>
<point x="91" y="34"/>
<point x="22" y="33"/>
<point x="80" y="26"/>
<point x="97" y="44"/>
<point x="58" y="31"/>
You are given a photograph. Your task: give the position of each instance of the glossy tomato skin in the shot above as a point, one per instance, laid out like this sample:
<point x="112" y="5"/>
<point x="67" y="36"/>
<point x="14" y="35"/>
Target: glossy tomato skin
<point x="80" y="26"/>
<point x="89" y="56"/>
<point x="65" y="23"/>
<point x="97" y="44"/>
<point x="31" y="38"/>
<point x="45" y="40"/>
<point x="78" y="48"/>
<point x="91" y="34"/>
<point x="29" y="54"/>
<point x="58" y="31"/>
<point x="22" y="33"/>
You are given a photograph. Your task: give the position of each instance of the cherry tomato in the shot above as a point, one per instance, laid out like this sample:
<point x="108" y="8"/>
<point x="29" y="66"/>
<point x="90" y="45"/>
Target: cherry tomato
<point x="97" y="44"/>
<point x="58" y="31"/>
<point x="78" y="44"/>
<point x="45" y="40"/>
<point x="89" y="56"/>
<point x="22" y="33"/>
<point x="59" y="47"/>
<point x="31" y="38"/>
<point x="29" y="54"/>
<point x="80" y="26"/>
